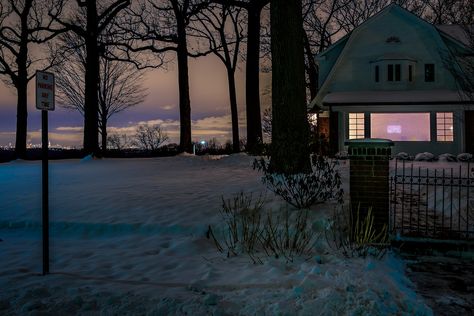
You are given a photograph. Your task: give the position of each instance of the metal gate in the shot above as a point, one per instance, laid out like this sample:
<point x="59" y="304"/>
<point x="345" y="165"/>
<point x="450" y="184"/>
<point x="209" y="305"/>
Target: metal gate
<point x="432" y="202"/>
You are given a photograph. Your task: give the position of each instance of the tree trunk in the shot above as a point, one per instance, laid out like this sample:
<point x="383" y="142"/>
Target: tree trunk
<point x="233" y="110"/>
<point x="21" y="84"/>
<point x="103" y="132"/>
<point x="290" y="151"/>
<point x="254" y="121"/>
<point x="91" y="116"/>
<point x="21" y="119"/>
<point x="183" y="82"/>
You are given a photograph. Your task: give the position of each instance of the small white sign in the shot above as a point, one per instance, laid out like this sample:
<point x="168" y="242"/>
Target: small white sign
<point x="45" y="91"/>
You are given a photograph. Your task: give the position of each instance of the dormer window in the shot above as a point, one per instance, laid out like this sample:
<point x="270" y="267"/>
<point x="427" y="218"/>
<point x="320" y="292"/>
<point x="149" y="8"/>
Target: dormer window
<point x="394" y="72"/>
<point x="429" y="72"/>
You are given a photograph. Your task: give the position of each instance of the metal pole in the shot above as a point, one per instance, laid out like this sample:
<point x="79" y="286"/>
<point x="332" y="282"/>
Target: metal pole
<point x="45" y="217"/>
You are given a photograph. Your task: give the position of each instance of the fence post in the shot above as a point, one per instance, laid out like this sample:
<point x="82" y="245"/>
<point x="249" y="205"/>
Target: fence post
<point x="369" y="178"/>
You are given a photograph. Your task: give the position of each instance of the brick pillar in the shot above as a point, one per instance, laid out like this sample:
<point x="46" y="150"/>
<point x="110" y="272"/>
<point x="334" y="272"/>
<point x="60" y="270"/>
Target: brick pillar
<point x="369" y="178"/>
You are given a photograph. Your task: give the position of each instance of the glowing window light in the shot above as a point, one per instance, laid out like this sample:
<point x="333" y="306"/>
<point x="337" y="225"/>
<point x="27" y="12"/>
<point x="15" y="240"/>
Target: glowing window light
<point x="401" y="126"/>
<point x="356" y="125"/>
<point x="444" y="126"/>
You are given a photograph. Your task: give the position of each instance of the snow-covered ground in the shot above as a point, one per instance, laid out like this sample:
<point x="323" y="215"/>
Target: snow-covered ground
<point x="128" y="236"/>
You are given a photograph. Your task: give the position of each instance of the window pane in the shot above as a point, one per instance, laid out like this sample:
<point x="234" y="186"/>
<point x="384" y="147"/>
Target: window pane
<point x="356" y="125"/>
<point x="444" y="126"/>
<point x="429" y="72"/>
<point x="398" y="72"/>
<point x="377" y="74"/>
<point x="401" y="126"/>
<point x="390" y="73"/>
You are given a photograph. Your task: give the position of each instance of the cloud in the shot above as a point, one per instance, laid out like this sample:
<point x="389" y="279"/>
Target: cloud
<point x="218" y="127"/>
<point x="70" y="128"/>
<point x="167" y="107"/>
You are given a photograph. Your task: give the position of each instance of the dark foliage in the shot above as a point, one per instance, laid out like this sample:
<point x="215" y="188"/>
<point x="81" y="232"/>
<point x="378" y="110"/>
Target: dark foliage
<point x="302" y="190"/>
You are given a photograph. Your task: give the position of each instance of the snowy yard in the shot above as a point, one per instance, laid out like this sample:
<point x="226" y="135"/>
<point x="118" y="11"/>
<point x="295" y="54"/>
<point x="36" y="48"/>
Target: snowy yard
<point x="128" y="236"/>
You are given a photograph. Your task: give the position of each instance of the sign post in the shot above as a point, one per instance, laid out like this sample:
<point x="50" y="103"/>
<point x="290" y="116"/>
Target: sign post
<point x="45" y="93"/>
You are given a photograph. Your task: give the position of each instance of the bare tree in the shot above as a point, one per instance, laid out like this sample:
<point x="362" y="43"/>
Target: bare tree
<point x="320" y="29"/>
<point x="160" y="27"/>
<point x="460" y="59"/>
<point x="150" y="137"/>
<point x="445" y="11"/>
<point x="120" y="83"/>
<point x="222" y="27"/>
<point x="88" y="19"/>
<point x="119" y="141"/>
<point x="252" y="83"/>
<point x="23" y="23"/>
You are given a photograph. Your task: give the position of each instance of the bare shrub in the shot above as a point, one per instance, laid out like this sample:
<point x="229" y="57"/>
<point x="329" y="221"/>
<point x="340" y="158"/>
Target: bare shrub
<point x="119" y="142"/>
<point x="150" y="137"/>
<point x="355" y="235"/>
<point x="288" y="237"/>
<point x="246" y="231"/>
<point x="302" y="190"/>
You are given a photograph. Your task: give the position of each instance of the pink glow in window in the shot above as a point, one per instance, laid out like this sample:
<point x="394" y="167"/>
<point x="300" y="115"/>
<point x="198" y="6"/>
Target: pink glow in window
<point x="400" y="126"/>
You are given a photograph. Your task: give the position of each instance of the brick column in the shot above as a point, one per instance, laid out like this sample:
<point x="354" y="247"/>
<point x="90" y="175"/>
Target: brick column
<point x="369" y="178"/>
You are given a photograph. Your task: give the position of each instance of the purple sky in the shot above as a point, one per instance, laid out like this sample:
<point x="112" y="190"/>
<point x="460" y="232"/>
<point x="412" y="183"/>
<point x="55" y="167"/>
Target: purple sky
<point x="209" y="105"/>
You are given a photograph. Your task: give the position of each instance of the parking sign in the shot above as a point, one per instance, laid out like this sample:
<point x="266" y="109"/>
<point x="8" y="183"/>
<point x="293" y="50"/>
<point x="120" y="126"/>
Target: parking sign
<point x="45" y="91"/>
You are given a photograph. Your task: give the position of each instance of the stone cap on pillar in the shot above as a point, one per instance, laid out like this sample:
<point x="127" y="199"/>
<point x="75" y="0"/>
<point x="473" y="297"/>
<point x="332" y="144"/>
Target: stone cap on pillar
<point x="369" y="147"/>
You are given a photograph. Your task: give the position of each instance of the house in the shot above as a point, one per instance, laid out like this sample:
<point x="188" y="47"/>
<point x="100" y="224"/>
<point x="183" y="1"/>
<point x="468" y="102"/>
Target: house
<point x="393" y="77"/>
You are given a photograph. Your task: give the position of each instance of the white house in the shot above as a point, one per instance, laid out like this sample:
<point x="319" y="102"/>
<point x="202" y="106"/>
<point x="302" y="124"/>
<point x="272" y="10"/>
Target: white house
<point x="388" y="79"/>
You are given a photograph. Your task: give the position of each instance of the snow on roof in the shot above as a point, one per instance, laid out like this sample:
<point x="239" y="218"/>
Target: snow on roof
<point x="395" y="97"/>
<point x="456" y="31"/>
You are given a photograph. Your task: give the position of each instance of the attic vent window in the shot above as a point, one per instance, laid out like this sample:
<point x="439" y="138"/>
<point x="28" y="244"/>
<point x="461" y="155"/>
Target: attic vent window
<point x="392" y="39"/>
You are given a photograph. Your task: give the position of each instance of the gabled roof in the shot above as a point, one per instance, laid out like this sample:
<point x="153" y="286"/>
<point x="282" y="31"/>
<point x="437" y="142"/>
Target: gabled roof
<point x="451" y="34"/>
<point x="455" y="31"/>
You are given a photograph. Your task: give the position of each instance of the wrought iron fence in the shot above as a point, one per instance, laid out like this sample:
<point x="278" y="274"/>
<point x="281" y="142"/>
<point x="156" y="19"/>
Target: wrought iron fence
<point x="433" y="203"/>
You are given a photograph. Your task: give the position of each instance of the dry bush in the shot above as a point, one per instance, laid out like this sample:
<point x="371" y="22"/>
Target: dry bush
<point x="355" y="235"/>
<point x="246" y="231"/>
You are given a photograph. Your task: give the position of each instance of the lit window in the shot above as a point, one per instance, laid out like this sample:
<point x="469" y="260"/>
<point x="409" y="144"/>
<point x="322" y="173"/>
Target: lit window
<point x="429" y="72"/>
<point x="356" y="125"/>
<point x="444" y="127"/>
<point x="401" y="126"/>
